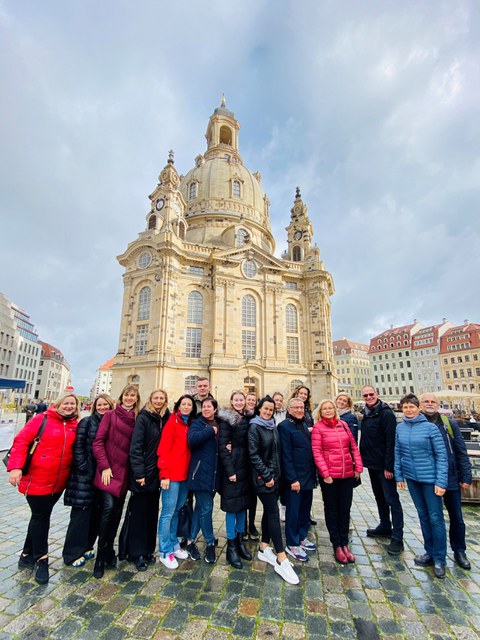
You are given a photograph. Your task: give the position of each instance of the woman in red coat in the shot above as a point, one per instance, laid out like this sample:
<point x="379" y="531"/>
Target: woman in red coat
<point x="338" y="461"/>
<point x="111" y="449"/>
<point x="47" y="476"/>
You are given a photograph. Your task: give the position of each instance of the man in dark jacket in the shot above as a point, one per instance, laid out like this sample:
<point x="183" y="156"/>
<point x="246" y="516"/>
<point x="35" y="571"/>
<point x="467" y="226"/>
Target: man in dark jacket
<point x="298" y="474"/>
<point x="377" y="448"/>
<point x="202" y="391"/>
<point x="459" y="475"/>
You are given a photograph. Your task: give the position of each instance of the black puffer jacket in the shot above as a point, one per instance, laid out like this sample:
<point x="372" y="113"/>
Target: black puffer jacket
<point x="143" y="450"/>
<point x="79" y="491"/>
<point x="233" y="429"/>
<point x="377" y="441"/>
<point x="265" y="455"/>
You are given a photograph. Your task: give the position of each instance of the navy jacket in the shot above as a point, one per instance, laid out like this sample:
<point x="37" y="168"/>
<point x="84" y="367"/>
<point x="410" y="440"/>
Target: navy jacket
<point x="459" y="467"/>
<point x="351" y="419"/>
<point x="202" y="471"/>
<point x="298" y="464"/>
<point x="377" y="442"/>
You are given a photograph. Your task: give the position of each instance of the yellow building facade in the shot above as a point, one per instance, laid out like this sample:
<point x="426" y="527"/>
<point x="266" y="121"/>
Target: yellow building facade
<point x="204" y="294"/>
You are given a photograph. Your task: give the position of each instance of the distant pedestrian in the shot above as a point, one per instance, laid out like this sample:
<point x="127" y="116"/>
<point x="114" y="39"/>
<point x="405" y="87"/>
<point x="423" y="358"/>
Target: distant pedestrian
<point x="30" y="410"/>
<point x="42" y="406"/>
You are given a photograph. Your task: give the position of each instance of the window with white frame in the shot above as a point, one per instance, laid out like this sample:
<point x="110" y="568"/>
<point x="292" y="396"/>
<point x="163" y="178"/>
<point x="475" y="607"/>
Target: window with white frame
<point x="293" y="353"/>
<point x="241" y="237"/>
<point x="193" y="347"/>
<point x="144" y="300"/>
<point x="192" y="191"/>
<point x="195" y="308"/>
<point x="236" y="189"/>
<point x="249" y="338"/>
<point x="249" y="344"/>
<point x="141" y="339"/>
<point x="190" y="382"/>
<point x="291" y="318"/>
<point x="248" y="311"/>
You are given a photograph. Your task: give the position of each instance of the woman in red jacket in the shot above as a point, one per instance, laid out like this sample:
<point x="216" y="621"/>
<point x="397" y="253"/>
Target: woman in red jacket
<point x="111" y="449"/>
<point x="338" y="461"/>
<point x="47" y="476"/>
<point x="173" y="461"/>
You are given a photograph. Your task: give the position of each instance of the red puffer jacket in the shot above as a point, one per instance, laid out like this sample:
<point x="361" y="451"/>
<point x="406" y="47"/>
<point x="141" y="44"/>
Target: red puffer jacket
<point x="333" y="448"/>
<point x="53" y="457"/>
<point x="173" y="452"/>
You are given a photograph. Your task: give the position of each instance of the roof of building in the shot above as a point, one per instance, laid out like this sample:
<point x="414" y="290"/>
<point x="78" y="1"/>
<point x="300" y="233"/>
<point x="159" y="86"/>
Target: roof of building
<point x="49" y="351"/>
<point x="106" y="365"/>
<point x="347" y="345"/>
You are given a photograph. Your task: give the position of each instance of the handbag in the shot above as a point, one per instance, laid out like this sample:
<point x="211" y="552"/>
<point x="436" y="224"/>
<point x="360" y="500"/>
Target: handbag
<point x="31" y="449"/>
<point x="185" y="518"/>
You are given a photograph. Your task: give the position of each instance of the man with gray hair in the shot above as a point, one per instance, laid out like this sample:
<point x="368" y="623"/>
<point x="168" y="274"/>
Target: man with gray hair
<point x="459" y="476"/>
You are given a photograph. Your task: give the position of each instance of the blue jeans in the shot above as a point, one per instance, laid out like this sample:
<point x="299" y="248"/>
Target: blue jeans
<point x="430" y="512"/>
<point x="202" y="516"/>
<point x="453" y="503"/>
<point x="235" y="523"/>
<point x="388" y="501"/>
<point x="297" y="515"/>
<point x="173" y="500"/>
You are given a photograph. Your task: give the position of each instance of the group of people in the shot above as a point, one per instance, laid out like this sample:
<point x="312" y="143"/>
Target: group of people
<point x="253" y="450"/>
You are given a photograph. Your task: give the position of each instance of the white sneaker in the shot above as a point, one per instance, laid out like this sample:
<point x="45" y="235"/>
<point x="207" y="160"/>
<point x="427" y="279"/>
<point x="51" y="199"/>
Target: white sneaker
<point x="169" y="561"/>
<point x="180" y="553"/>
<point x="286" y="571"/>
<point x="267" y="555"/>
<point x="282" y="512"/>
<point x="297" y="552"/>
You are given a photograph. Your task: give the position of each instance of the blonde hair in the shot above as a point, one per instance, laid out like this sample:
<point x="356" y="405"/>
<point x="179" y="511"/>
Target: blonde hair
<point x="149" y="406"/>
<point x="130" y="387"/>
<point x="68" y="394"/>
<point x="317" y="414"/>
<point x="343" y="394"/>
<point x="103" y="396"/>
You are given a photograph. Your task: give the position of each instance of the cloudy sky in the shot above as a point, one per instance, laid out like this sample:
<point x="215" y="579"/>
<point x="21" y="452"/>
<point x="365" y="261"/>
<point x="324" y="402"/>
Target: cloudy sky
<point x="371" y="107"/>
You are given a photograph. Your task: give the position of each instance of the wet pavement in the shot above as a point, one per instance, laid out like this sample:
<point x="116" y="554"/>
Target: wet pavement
<point x="379" y="596"/>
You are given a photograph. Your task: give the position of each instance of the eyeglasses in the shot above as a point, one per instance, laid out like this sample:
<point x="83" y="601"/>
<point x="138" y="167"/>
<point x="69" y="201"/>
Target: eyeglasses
<point x="368" y="395"/>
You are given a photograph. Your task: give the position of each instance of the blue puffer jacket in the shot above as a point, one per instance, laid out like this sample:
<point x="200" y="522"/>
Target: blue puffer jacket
<point x="420" y="452"/>
<point x="202" y="471"/>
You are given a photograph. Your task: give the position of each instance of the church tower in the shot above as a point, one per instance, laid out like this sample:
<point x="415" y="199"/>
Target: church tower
<point x="204" y="294"/>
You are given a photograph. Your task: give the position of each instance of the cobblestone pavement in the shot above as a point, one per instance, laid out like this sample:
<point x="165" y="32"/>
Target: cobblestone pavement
<point x="378" y="597"/>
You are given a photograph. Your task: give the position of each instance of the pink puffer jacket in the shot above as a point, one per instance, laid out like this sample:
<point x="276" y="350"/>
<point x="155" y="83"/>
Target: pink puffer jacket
<point x="335" y="451"/>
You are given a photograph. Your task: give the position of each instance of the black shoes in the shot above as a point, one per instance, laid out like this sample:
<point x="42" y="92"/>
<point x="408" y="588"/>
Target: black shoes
<point x="141" y="563"/>
<point x="253" y="532"/>
<point x="460" y="558"/>
<point x="439" y="570"/>
<point x="150" y="558"/>
<point x="210" y="557"/>
<point x="110" y="559"/>
<point x="232" y="555"/>
<point x="395" y="547"/>
<point x="242" y="550"/>
<point x="41" y="571"/>
<point x="26" y="561"/>
<point x="379" y="532"/>
<point x="193" y="551"/>
<point x="424" y="561"/>
<point x="99" y="567"/>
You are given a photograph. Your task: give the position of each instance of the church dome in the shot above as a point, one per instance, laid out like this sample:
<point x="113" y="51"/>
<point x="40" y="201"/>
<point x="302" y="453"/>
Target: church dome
<point x="221" y="194"/>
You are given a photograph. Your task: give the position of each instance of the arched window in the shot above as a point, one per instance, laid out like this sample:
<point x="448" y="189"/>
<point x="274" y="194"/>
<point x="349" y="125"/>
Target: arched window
<point x="225" y="135"/>
<point x="291" y="318"/>
<point x="236" y="189"/>
<point x="181" y="230"/>
<point x="195" y="308"/>
<point x="241" y="237"/>
<point x="152" y="222"/>
<point x="296" y="254"/>
<point x="249" y="337"/>
<point x="192" y="191"/>
<point x="144" y="300"/>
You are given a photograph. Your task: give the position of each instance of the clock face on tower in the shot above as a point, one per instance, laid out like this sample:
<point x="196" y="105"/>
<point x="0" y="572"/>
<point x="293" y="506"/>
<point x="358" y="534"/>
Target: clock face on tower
<point x="160" y="204"/>
<point x="297" y="235"/>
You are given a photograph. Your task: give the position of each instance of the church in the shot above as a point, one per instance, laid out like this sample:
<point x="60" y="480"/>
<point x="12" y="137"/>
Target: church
<point x="204" y="294"/>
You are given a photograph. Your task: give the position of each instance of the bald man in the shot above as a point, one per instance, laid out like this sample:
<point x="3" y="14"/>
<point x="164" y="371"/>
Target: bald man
<point x="459" y="475"/>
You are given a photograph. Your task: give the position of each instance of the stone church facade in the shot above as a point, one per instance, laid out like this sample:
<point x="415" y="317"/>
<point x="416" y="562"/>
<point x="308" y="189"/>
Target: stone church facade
<point x="204" y="294"/>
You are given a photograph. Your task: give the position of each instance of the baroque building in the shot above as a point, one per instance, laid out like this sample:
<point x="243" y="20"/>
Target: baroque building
<point x="204" y="294"/>
<point x="352" y="367"/>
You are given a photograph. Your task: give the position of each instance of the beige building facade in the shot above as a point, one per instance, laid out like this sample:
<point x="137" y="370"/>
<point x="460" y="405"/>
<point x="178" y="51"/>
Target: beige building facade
<point x="352" y="367"/>
<point x="204" y="294"/>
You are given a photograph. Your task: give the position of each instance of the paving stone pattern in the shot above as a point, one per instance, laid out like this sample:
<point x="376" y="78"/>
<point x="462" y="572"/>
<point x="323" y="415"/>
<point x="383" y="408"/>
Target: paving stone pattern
<point x="379" y="597"/>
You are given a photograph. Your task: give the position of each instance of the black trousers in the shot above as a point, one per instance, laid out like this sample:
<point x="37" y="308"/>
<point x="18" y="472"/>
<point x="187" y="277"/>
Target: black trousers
<point x="252" y="507"/>
<point x="143" y="523"/>
<point x="111" y="514"/>
<point x="388" y="502"/>
<point x="337" y="502"/>
<point x="36" y="542"/>
<point x="271" y="529"/>
<point x="82" y="530"/>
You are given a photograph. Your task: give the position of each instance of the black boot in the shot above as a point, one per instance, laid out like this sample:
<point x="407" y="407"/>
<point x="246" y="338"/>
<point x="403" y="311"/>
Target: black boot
<point x="99" y="568"/>
<point x="243" y="552"/>
<point x="232" y="555"/>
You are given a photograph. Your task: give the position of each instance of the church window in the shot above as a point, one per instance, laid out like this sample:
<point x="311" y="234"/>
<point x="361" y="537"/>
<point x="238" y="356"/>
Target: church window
<point x="194" y="342"/>
<point x="291" y="319"/>
<point x="197" y="271"/>
<point x="292" y="286"/>
<point x="144" y="260"/>
<point x="152" y="222"/>
<point x="181" y="230"/>
<point x="248" y="311"/>
<point x="192" y="191"/>
<point x="293" y="353"/>
<point x="225" y="135"/>
<point x="190" y="382"/>
<point x="141" y="339"/>
<point x="144" y="300"/>
<point x="195" y="308"/>
<point x="236" y="190"/>
<point x="249" y="347"/>
<point x="241" y="237"/>
<point x="249" y="268"/>
<point x="296" y="254"/>
<point x="295" y="383"/>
